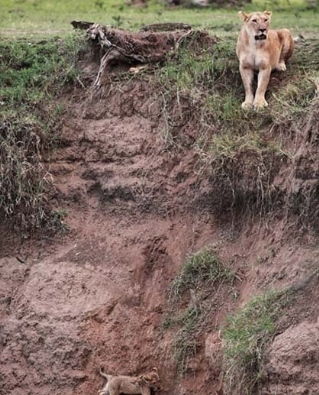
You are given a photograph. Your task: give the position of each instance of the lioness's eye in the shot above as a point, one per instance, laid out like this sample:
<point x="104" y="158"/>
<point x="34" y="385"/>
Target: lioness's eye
<point x="265" y="20"/>
<point x="255" y="20"/>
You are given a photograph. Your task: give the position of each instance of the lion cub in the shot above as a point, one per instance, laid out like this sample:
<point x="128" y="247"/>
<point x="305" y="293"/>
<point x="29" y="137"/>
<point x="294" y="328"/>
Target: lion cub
<point x="138" y="385"/>
<point x="262" y="50"/>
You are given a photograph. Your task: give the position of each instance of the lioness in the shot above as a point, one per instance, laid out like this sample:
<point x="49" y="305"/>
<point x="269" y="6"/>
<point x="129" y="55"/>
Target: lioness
<point x="141" y="384"/>
<point x="263" y="50"/>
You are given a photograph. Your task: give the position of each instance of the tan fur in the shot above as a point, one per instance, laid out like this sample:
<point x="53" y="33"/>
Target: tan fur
<point x="138" y="385"/>
<point x="260" y="49"/>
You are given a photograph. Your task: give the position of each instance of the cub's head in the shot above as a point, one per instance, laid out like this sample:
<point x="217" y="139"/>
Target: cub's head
<point x="256" y="23"/>
<point x="150" y="379"/>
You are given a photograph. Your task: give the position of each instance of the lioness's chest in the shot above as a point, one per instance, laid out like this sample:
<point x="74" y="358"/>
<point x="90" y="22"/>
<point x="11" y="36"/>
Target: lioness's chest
<point x="255" y="58"/>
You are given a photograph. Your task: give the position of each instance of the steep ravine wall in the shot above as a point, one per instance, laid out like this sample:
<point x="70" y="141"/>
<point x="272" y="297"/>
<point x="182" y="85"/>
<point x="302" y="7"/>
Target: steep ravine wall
<point x="97" y="295"/>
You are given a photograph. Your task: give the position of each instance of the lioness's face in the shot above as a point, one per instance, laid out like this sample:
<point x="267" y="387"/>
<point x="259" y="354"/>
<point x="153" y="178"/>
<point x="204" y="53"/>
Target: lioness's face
<point x="257" y="23"/>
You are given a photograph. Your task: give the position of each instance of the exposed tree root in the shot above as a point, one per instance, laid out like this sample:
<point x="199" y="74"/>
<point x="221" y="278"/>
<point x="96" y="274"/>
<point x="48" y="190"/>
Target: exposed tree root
<point x="149" y="46"/>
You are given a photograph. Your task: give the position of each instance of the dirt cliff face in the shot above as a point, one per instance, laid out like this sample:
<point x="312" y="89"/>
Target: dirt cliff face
<point x="97" y="296"/>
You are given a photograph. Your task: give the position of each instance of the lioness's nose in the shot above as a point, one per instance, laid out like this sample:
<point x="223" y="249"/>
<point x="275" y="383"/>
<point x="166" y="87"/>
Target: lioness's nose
<point x="262" y="30"/>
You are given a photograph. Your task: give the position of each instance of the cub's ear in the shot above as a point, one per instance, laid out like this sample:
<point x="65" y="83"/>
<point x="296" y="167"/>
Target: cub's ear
<point x="268" y="13"/>
<point x="243" y="16"/>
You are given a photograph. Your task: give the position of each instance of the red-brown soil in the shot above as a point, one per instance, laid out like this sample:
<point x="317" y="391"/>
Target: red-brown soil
<point x="97" y="296"/>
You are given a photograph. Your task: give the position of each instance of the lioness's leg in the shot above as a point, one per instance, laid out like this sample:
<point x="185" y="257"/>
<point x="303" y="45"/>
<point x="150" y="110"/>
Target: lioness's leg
<point x="263" y="80"/>
<point x="287" y="43"/>
<point x="247" y="75"/>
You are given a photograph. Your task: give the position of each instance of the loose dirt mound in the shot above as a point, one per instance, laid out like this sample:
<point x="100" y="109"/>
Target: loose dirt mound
<point x="293" y="361"/>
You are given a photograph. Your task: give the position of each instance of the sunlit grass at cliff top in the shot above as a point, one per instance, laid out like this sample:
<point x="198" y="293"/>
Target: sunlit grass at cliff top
<point x="45" y="17"/>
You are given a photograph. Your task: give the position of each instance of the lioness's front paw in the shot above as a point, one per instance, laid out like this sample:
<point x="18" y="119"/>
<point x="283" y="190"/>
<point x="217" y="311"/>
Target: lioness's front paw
<point x="281" y="66"/>
<point x="247" y="105"/>
<point x="260" y="104"/>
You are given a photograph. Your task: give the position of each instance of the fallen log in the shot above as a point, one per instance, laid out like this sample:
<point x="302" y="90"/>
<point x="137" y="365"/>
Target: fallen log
<point x="148" y="46"/>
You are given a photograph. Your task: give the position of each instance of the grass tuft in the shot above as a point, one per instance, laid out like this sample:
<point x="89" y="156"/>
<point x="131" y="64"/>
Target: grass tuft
<point x="242" y="168"/>
<point x="193" y="292"/>
<point x="32" y="73"/>
<point x="245" y="337"/>
<point x="199" y="270"/>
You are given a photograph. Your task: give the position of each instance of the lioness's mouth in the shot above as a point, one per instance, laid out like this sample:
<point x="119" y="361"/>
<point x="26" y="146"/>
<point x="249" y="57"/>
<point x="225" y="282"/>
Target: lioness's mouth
<point x="261" y="37"/>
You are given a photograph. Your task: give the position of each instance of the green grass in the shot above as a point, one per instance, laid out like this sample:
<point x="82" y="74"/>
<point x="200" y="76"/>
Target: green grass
<point x="200" y="83"/>
<point x="198" y="281"/>
<point x="32" y="73"/>
<point x="45" y="17"/>
<point x="242" y="168"/>
<point x="199" y="270"/>
<point x="245" y="338"/>
<point x="185" y="342"/>
<point x="229" y="147"/>
<point x="31" y="70"/>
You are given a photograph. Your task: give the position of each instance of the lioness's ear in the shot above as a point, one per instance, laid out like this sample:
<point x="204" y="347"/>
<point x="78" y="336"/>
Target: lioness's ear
<point x="268" y="13"/>
<point x="243" y="16"/>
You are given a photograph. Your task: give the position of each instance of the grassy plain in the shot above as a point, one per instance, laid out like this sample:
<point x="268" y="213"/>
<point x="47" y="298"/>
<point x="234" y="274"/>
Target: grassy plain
<point x="47" y="17"/>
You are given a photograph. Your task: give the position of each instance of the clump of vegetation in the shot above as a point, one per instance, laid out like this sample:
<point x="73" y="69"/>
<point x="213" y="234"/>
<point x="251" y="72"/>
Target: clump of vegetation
<point x="195" y="88"/>
<point x="192" y="293"/>
<point x="201" y="269"/>
<point x="31" y="75"/>
<point x="245" y="337"/>
<point x="242" y="168"/>
<point x="185" y="340"/>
